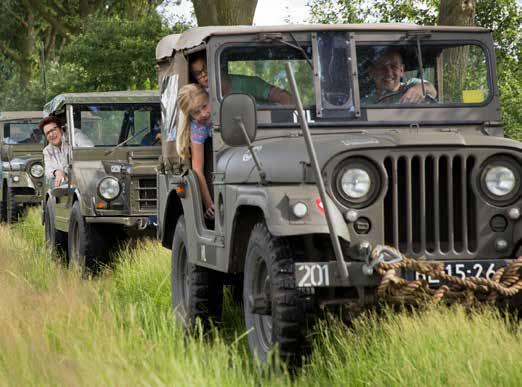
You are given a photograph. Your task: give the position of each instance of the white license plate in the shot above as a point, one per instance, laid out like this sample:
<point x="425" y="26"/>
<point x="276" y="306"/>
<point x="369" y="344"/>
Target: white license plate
<point x="312" y="274"/>
<point x="484" y="269"/>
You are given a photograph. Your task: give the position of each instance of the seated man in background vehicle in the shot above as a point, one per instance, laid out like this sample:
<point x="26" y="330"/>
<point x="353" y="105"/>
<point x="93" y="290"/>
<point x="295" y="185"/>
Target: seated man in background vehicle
<point x="55" y="153"/>
<point x="262" y="91"/>
<point x="387" y="73"/>
<point x="153" y="137"/>
<point x="34" y="138"/>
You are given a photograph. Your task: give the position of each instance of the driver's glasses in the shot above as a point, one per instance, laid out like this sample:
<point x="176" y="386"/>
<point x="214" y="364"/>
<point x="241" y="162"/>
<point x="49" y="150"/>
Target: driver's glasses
<point x="50" y="131"/>
<point x="198" y="74"/>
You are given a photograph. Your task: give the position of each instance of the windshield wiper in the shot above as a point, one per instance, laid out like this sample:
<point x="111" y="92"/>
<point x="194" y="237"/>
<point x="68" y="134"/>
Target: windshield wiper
<point x="421" y="65"/>
<point x="296" y="46"/>
<point x="417" y="36"/>
<point x="111" y="151"/>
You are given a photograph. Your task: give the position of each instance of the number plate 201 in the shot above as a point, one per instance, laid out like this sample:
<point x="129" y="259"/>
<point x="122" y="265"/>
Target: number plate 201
<point x="312" y="274"/>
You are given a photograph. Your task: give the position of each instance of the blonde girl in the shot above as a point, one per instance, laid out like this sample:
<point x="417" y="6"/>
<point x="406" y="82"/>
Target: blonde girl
<point x="194" y="129"/>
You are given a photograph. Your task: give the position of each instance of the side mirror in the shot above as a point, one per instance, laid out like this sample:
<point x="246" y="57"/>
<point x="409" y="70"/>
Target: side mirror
<point x="238" y="119"/>
<point x="7" y="152"/>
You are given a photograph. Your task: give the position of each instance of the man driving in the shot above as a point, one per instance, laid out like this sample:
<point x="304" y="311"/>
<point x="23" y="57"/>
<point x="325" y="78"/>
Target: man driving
<point x="387" y="73"/>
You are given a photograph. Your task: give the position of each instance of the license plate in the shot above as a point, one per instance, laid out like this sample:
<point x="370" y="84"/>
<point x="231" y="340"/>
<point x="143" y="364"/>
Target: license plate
<point x="312" y="274"/>
<point x="484" y="269"/>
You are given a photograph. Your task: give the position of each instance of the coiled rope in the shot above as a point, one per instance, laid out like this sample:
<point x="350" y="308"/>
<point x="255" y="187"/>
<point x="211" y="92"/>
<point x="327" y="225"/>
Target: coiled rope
<point x="390" y="264"/>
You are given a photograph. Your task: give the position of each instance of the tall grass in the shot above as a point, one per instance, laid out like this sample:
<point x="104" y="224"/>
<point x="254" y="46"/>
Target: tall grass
<point x="117" y="329"/>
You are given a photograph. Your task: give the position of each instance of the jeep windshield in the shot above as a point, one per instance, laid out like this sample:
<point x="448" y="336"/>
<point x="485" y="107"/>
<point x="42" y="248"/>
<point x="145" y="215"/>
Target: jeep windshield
<point x="22" y="132"/>
<point x="112" y="124"/>
<point x="451" y="74"/>
<point x="340" y="80"/>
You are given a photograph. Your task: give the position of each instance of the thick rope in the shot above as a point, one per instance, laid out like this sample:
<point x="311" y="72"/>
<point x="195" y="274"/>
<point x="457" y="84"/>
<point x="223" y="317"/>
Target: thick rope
<point x="389" y="263"/>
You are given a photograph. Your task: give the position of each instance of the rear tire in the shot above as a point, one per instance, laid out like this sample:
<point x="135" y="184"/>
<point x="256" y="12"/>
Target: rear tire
<point x="273" y="307"/>
<point x="197" y="292"/>
<point x="85" y="243"/>
<point x="12" y="209"/>
<point x="3" y="205"/>
<point x="55" y="239"/>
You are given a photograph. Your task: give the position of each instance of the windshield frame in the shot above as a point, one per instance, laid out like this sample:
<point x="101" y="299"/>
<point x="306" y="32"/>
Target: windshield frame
<point x="380" y="116"/>
<point x="433" y="42"/>
<point x="23" y="121"/>
<point x="76" y="110"/>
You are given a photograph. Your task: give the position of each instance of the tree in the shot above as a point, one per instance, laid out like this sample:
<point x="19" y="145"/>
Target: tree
<point x="457" y="12"/>
<point x="27" y="26"/>
<point x="113" y="53"/>
<point x="224" y="12"/>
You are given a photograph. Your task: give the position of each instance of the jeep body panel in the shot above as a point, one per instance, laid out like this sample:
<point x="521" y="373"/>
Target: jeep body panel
<point x="19" y="154"/>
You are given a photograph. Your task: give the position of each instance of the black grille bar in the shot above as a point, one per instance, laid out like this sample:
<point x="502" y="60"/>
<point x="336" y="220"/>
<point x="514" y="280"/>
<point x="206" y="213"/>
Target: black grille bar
<point x="147" y="194"/>
<point x="429" y="204"/>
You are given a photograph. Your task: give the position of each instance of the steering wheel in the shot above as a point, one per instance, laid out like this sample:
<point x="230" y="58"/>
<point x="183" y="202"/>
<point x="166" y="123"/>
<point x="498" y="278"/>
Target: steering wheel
<point x="428" y="98"/>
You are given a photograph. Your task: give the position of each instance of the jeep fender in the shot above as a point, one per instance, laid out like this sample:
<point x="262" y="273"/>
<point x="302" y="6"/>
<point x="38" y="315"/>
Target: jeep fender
<point x="275" y="203"/>
<point x="169" y="218"/>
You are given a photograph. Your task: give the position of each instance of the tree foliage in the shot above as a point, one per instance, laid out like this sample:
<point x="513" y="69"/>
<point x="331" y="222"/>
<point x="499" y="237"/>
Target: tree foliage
<point x="49" y="47"/>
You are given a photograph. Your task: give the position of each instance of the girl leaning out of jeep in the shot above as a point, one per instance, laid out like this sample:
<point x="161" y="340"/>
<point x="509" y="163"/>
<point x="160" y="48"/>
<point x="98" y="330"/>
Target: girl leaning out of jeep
<point x="194" y="138"/>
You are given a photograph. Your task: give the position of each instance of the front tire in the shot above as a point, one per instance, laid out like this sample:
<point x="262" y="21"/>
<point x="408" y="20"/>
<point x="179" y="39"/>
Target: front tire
<point x="197" y="292"/>
<point x="273" y="307"/>
<point x="55" y="239"/>
<point x="12" y="209"/>
<point x="85" y="243"/>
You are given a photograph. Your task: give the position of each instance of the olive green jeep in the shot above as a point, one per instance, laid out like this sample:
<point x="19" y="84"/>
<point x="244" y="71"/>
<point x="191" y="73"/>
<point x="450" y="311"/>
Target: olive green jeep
<point x="21" y="170"/>
<point x="392" y="158"/>
<point x="111" y="173"/>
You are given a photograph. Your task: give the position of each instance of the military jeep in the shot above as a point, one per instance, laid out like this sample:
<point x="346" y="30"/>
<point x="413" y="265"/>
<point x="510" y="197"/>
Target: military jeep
<point x="21" y="170"/>
<point x="111" y="184"/>
<point x="305" y="194"/>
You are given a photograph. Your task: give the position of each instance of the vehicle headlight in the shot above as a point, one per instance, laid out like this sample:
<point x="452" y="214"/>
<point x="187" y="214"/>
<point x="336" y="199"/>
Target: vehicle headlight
<point x="109" y="188"/>
<point x="357" y="182"/>
<point x="500" y="180"/>
<point x="36" y="170"/>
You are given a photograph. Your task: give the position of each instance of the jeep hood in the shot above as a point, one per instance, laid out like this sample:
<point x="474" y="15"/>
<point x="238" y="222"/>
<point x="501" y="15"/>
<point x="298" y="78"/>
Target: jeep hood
<point x="283" y="158"/>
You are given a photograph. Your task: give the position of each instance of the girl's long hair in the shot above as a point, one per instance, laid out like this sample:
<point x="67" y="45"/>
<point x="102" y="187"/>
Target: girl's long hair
<point x="188" y="96"/>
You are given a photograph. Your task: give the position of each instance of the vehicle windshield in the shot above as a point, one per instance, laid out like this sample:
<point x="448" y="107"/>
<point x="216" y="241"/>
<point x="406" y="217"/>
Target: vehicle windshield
<point x="25" y="132"/>
<point x="112" y="124"/>
<point x="259" y="70"/>
<point x="452" y="74"/>
<point x="416" y="74"/>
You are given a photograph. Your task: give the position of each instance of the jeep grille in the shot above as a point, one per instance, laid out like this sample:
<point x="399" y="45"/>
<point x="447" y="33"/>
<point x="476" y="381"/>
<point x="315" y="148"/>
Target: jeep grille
<point x="430" y="206"/>
<point x="147" y="194"/>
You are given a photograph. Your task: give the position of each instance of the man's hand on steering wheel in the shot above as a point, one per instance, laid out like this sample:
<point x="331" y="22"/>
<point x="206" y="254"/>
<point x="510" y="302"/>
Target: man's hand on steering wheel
<point x="413" y="94"/>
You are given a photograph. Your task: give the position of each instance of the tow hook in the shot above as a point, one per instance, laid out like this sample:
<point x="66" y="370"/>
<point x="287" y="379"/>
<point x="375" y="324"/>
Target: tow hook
<point x="380" y="254"/>
<point x="142" y="224"/>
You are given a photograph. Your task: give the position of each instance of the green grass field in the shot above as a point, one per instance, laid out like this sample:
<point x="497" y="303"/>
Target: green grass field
<point x="58" y="329"/>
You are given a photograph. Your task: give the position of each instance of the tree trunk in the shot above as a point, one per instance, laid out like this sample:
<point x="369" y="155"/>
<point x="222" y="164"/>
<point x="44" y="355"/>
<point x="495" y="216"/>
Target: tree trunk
<point x="457" y="12"/>
<point x="27" y="47"/>
<point x="224" y="12"/>
<point x="455" y="60"/>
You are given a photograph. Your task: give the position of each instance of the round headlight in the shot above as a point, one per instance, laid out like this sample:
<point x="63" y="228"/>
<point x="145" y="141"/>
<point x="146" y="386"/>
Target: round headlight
<point x="109" y="188"/>
<point x="36" y="170"/>
<point x="356" y="183"/>
<point x="500" y="180"/>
